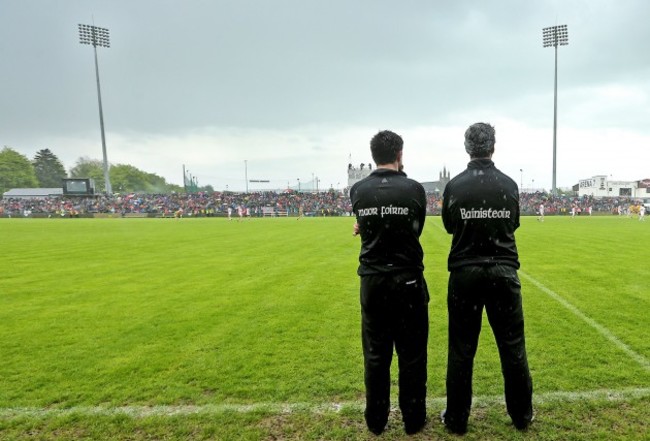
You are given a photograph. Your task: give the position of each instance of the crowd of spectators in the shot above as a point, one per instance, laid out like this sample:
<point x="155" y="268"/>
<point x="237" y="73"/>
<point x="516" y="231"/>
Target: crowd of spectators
<point x="192" y="204"/>
<point x="332" y="203"/>
<point x="563" y="205"/>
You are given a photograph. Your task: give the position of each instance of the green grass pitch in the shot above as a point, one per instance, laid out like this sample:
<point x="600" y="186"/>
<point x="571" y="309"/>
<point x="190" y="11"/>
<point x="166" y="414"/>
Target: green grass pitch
<point x="217" y="329"/>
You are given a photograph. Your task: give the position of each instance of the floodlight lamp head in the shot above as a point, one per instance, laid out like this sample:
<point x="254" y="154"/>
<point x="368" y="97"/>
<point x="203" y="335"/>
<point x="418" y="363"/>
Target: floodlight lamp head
<point x="555" y="36"/>
<point x="93" y="35"/>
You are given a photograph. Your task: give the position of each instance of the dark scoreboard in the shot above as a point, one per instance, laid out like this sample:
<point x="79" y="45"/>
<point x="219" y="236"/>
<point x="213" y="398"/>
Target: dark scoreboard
<point x="78" y="187"/>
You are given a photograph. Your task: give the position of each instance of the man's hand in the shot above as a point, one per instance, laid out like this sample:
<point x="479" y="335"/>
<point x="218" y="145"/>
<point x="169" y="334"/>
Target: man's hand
<point x="355" y="229"/>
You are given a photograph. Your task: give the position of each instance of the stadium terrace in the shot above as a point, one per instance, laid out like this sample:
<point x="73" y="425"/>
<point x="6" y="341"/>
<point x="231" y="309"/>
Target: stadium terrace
<point x="261" y="204"/>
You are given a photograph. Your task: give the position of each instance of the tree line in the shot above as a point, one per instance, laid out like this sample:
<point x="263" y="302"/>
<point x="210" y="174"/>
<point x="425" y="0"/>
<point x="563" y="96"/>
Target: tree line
<point x="45" y="170"/>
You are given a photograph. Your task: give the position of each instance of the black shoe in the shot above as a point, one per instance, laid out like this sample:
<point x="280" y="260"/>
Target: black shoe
<point x="453" y="428"/>
<point x="523" y="425"/>
<point x="376" y="427"/>
<point x="376" y="430"/>
<point x="376" y="421"/>
<point x="413" y="428"/>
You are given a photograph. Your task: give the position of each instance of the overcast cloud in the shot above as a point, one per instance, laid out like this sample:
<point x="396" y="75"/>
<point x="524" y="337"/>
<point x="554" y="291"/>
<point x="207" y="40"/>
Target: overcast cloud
<point x="294" y="88"/>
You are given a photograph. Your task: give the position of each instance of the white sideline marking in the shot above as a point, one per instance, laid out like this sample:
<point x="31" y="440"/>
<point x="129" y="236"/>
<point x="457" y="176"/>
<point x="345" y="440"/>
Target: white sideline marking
<point x="591" y="322"/>
<point x="289" y="408"/>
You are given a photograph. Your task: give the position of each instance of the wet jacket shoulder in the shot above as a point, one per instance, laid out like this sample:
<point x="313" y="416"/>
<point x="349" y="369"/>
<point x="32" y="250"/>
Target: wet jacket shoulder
<point x="480" y="209"/>
<point x="390" y="210"/>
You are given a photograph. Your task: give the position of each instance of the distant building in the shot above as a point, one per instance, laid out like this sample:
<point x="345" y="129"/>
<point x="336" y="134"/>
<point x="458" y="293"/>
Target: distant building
<point x="438" y="187"/>
<point x="357" y="174"/>
<point x="601" y="186"/>
<point x="32" y="193"/>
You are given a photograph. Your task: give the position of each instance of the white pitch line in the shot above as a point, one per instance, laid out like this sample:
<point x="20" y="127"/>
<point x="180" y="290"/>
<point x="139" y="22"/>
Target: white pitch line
<point x="290" y="408"/>
<point x="597" y="326"/>
<point x="591" y="322"/>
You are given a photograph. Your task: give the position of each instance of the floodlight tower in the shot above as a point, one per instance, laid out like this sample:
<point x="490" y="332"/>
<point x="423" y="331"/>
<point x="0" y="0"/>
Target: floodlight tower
<point x="555" y="36"/>
<point x="96" y="36"/>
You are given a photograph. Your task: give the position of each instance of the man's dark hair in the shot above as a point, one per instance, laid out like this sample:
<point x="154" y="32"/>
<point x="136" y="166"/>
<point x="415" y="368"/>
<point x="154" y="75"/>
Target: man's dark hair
<point x="479" y="140"/>
<point x="385" y="146"/>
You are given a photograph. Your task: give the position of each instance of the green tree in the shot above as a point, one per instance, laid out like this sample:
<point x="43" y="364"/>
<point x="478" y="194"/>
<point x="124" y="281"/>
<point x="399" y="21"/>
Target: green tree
<point x="48" y="168"/>
<point x="158" y="184"/>
<point x="128" y="179"/>
<point x="173" y="188"/>
<point x="16" y="171"/>
<point x="90" y="168"/>
<point x="124" y="178"/>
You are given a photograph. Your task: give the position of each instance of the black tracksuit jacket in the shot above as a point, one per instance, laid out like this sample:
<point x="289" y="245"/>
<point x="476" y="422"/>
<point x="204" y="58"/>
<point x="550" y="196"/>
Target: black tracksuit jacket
<point x="390" y="210"/>
<point x="481" y="209"/>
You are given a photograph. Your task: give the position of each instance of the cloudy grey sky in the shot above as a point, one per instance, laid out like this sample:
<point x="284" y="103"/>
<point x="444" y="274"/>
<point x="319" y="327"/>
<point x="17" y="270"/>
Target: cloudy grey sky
<point x="290" y="89"/>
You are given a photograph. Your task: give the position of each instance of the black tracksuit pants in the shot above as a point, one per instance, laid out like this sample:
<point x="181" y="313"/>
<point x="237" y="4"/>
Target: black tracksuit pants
<point x="497" y="288"/>
<point x="394" y="312"/>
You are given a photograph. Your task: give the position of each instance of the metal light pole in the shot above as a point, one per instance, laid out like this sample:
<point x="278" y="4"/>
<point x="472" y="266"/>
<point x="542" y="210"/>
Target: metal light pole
<point x="96" y="36"/>
<point x="246" y="173"/>
<point x="555" y="36"/>
<point x="184" y="180"/>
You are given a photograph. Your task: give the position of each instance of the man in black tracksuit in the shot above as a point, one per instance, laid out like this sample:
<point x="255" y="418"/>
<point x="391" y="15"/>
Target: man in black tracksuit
<point x="390" y="211"/>
<point x="481" y="210"/>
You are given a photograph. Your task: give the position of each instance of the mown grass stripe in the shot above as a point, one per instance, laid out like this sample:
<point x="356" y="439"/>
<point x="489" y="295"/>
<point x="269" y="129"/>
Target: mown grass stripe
<point x="289" y="408"/>
<point x="591" y="322"/>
